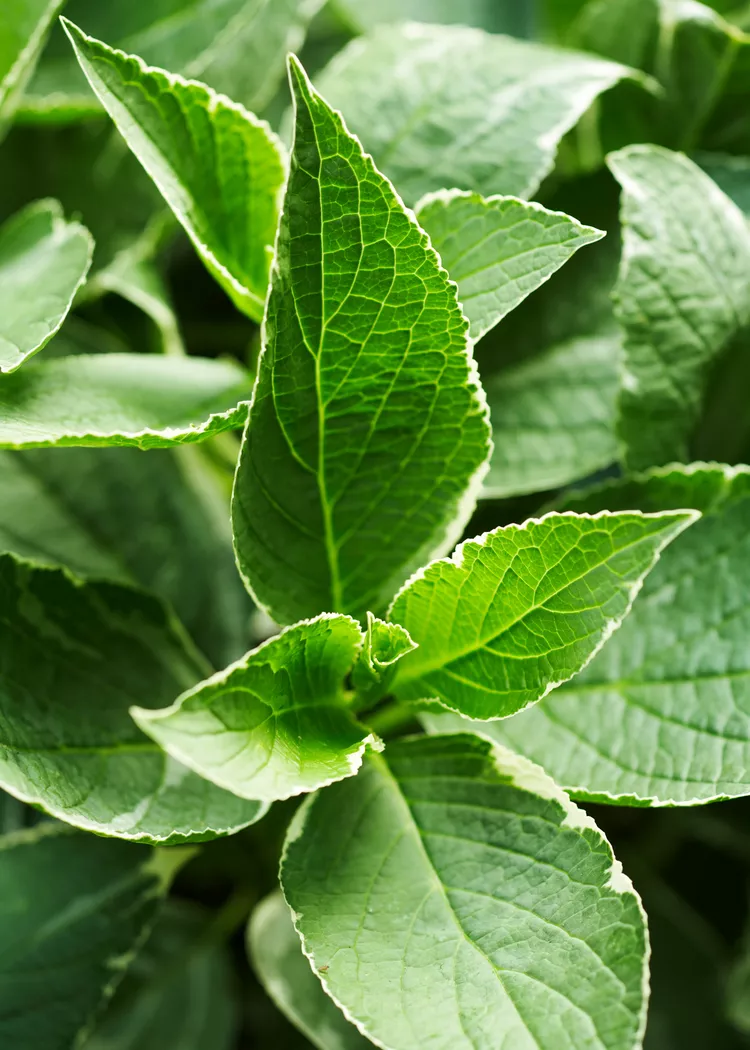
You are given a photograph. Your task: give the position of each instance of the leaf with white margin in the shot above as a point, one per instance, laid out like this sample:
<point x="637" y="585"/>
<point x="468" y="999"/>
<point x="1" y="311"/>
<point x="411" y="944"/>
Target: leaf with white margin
<point x="452" y="897"/>
<point x="74" y="909"/>
<point x="384" y="645"/>
<point x="553" y="416"/>
<point x="498" y="250"/>
<point x="24" y="25"/>
<point x="519" y="610"/>
<point x="43" y="262"/>
<point x="146" y="400"/>
<point x="277" y="722"/>
<point x="662" y="715"/>
<point x="75" y="657"/>
<point x="277" y="958"/>
<point x="218" y="167"/>
<point x="682" y="294"/>
<point x="237" y="47"/>
<point x="368" y="436"/>
<point x="444" y="106"/>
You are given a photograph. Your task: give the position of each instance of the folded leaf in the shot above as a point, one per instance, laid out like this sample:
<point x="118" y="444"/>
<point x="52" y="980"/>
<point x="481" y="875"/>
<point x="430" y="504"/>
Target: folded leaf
<point x="218" y="167"/>
<point x="518" y="611"/>
<point x="275" y="723"/>
<point x="682" y="295"/>
<point x="75" y="658"/>
<point x="43" y="262"/>
<point x="285" y="973"/>
<point x="24" y="25"/>
<point x="443" y="106"/>
<point x="384" y="645"/>
<point x="237" y="47"/>
<point x="451" y="897"/>
<point x="151" y="520"/>
<point x="73" y="910"/>
<point x="179" y="993"/>
<point x="121" y="399"/>
<point x="553" y="416"/>
<point x="498" y="250"/>
<point x="368" y="432"/>
<point x="662" y="715"/>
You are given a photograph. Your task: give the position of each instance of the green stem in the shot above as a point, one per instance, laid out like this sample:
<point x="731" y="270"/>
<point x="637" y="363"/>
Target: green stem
<point x="394" y="720"/>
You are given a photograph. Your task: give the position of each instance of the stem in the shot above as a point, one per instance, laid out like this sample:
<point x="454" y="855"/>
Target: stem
<point x="394" y="720"/>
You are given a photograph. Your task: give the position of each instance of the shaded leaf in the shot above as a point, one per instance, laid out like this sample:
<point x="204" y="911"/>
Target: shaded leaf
<point x="190" y="141"/>
<point x="368" y="432"/>
<point x="553" y="416"/>
<point x="417" y="96"/>
<point x="452" y="897"/>
<point x="521" y="609"/>
<point x="75" y="658"/>
<point x="681" y="296"/>
<point x="73" y="910"/>
<point x="275" y="723"/>
<point x="154" y="520"/>
<point x="121" y="399"/>
<point x="24" y="25"/>
<point x="178" y="993"/>
<point x="43" y="262"/>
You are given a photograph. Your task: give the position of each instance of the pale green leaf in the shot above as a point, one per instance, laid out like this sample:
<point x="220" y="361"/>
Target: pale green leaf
<point x="497" y="16"/>
<point x="384" y="645"/>
<point x="553" y="416"/>
<point x="445" y="106"/>
<point x="121" y="399"/>
<point x="24" y="25"/>
<point x="368" y="433"/>
<point x="498" y="250"/>
<point x="237" y="47"/>
<point x="662" y="715"/>
<point x="285" y="973"/>
<point x="451" y="897"/>
<point x="73" y="910"/>
<point x="218" y="167"/>
<point x="682" y="295"/>
<point x="275" y="723"/>
<point x="152" y="520"/>
<point x="178" y="993"/>
<point x="75" y="658"/>
<point x="519" y="610"/>
<point x="43" y="262"/>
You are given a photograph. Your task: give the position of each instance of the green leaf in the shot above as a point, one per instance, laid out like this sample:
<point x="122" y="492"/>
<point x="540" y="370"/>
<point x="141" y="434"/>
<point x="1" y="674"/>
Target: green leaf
<point x="275" y="723"/>
<point x="121" y="399"/>
<point x="451" y="897"/>
<point x="553" y="416"/>
<point x="178" y="993"/>
<point x="731" y="174"/>
<point x="623" y="30"/>
<point x="237" y="47"/>
<point x="218" y="167"/>
<point x="285" y="974"/>
<point x="73" y="910"/>
<point x="24" y="25"/>
<point x="368" y="433"/>
<point x="497" y="16"/>
<point x="429" y="125"/>
<point x="661" y="716"/>
<point x="519" y="610"/>
<point x="682" y="295"/>
<point x="75" y="658"/>
<point x="498" y="250"/>
<point x="384" y="645"/>
<point x="43" y="262"/>
<point x="152" y="520"/>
